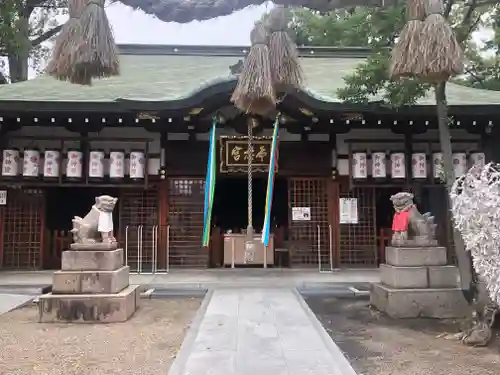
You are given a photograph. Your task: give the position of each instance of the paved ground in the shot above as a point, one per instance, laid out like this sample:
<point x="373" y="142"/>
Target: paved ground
<point x="258" y="331"/>
<point x="11" y="301"/>
<point x="25" y="282"/>
<point x="378" y="345"/>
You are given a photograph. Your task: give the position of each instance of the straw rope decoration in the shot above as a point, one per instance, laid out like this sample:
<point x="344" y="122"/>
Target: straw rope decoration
<point x="441" y="56"/>
<point x="254" y="92"/>
<point x="404" y="56"/>
<point x="59" y="65"/>
<point x="94" y="54"/>
<point x="285" y="67"/>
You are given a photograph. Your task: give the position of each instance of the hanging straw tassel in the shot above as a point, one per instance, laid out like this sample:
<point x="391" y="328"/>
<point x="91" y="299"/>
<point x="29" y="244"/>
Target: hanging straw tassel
<point x="254" y="92"/>
<point x="59" y="65"/>
<point x="96" y="54"/>
<point x="285" y="66"/>
<point x="441" y="56"/>
<point x="404" y="56"/>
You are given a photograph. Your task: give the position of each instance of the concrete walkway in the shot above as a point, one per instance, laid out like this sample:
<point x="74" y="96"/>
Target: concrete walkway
<point x="11" y="301"/>
<point x="258" y="332"/>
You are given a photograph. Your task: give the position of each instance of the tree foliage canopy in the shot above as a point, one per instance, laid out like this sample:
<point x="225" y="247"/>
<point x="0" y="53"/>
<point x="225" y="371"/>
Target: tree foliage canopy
<point x="378" y="28"/>
<point x="24" y="26"/>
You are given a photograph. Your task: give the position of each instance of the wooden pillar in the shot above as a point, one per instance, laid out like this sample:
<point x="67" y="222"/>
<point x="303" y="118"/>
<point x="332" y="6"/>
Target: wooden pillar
<point x="490" y="140"/>
<point x="3" y="144"/>
<point x="333" y="203"/>
<point x="163" y="205"/>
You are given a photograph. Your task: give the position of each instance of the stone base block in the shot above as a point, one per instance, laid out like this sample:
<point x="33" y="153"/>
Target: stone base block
<point x="443" y="277"/>
<point x="90" y="282"/>
<point x="89" y="308"/>
<point x="98" y="246"/>
<point x="415" y="256"/>
<point x="419" y="303"/>
<point x="105" y="260"/>
<point x="404" y="277"/>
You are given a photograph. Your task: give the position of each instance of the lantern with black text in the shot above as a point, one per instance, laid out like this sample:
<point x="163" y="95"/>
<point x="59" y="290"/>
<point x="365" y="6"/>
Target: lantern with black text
<point x="379" y="165"/>
<point x="419" y="165"/>
<point x="96" y="164"/>
<point x="398" y="167"/>
<point x="459" y="164"/>
<point x="74" y="164"/>
<point x="10" y="162"/>
<point x="359" y="165"/>
<point x="31" y="163"/>
<point x="478" y="159"/>
<point x="51" y="162"/>
<point x="116" y="164"/>
<point x="137" y="166"/>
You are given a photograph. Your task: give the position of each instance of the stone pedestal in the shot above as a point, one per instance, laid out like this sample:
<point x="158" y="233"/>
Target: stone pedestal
<point x="91" y="287"/>
<point x="416" y="282"/>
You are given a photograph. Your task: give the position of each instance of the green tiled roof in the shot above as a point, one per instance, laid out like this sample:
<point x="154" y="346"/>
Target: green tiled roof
<point x="161" y="77"/>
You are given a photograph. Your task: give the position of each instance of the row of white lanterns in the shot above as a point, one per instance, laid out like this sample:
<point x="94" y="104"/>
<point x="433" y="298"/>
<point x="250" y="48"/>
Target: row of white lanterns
<point x="32" y="165"/>
<point x="380" y="164"/>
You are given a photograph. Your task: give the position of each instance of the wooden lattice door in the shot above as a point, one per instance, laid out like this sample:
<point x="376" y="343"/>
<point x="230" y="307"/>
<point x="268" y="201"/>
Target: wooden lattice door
<point x="138" y="210"/>
<point x="358" y="242"/>
<point x="309" y="238"/>
<point x="23" y="226"/>
<point x="185" y="218"/>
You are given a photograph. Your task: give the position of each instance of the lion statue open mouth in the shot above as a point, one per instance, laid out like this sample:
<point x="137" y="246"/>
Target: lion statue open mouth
<point x="409" y="226"/>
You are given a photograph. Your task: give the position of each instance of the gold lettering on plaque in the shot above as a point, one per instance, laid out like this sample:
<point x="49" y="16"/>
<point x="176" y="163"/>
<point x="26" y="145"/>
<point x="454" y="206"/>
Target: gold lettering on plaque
<point x="236" y="153"/>
<point x="261" y="155"/>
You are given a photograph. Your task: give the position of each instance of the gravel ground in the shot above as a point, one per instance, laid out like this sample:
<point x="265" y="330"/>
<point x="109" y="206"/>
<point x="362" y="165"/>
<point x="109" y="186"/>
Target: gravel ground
<point x="378" y="345"/>
<point x="146" y="344"/>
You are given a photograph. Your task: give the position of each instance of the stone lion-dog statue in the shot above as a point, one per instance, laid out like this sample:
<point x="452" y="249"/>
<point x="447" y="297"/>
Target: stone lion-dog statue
<point x="409" y="226"/>
<point x="96" y="228"/>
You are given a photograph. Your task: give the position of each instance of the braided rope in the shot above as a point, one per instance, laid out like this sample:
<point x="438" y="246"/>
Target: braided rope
<point x="249" y="170"/>
<point x="184" y="11"/>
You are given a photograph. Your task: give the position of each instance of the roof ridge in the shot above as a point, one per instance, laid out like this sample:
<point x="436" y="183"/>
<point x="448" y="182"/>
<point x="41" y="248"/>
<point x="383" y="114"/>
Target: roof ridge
<point x="241" y="51"/>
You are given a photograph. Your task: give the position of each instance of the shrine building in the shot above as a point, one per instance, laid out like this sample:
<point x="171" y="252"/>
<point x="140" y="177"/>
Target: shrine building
<point x="144" y="137"/>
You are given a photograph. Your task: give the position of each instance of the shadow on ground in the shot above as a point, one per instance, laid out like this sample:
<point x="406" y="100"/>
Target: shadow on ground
<point x="378" y="345"/>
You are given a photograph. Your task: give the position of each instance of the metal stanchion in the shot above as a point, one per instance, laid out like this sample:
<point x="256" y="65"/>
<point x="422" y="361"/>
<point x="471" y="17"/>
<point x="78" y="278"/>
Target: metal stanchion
<point x="154" y="265"/>
<point x="319" y="248"/>
<point x="168" y="248"/>
<point x="331" y="247"/>
<point x="126" y="245"/>
<point x="139" y="249"/>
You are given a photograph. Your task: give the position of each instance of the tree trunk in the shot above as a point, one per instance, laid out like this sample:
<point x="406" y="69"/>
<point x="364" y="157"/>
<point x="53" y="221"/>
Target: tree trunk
<point x="464" y="261"/>
<point x="18" y="67"/>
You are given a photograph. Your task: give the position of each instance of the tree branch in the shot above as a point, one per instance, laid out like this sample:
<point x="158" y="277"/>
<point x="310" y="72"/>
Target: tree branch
<point x="46" y="35"/>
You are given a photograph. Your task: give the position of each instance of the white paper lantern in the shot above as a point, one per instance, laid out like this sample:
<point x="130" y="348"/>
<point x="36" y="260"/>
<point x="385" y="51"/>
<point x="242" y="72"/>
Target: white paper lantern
<point x="419" y="165"/>
<point x="10" y="162"/>
<point x="437" y="165"/>
<point x="398" y="167"/>
<point x="51" y="160"/>
<point x="359" y="165"/>
<point x="478" y="159"/>
<point x="137" y="165"/>
<point x="459" y="164"/>
<point x="31" y="163"/>
<point x="117" y="164"/>
<point x="379" y="165"/>
<point x="74" y="166"/>
<point x="96" y="164"/>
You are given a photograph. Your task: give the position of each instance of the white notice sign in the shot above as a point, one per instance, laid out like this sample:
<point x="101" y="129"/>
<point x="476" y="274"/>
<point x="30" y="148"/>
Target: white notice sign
<point x="3" y="197"/>
<point x="348" y="210"/>
<point x="301" y="213"/>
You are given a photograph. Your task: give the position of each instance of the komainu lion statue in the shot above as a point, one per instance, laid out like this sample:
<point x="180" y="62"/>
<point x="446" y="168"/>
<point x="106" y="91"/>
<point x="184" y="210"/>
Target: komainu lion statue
<point x="97" y="226"/>
<point x="409" y="226"/>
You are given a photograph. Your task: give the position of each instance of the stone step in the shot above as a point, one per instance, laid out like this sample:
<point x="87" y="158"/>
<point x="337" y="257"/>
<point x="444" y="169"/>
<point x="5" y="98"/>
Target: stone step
<point x="419" y="277"/>
<point x="89" y="308"/>
<point x="441" y="303"/>
<point x="92" y="260"/>
<point x="415" y="256"/>
<point x="90" y="282"/>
